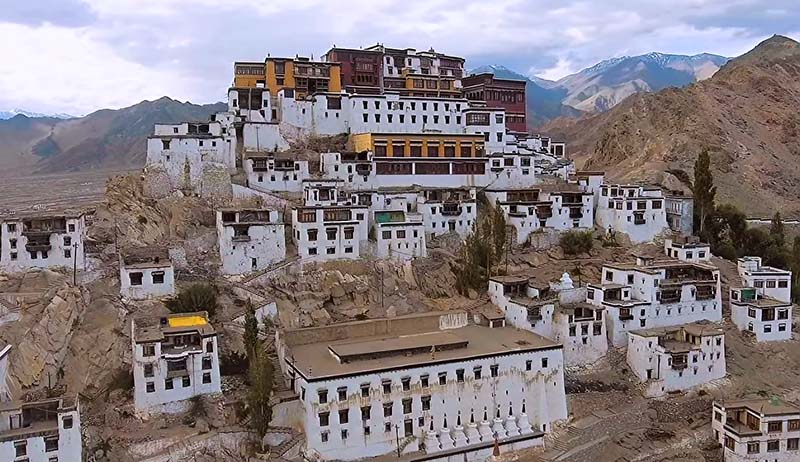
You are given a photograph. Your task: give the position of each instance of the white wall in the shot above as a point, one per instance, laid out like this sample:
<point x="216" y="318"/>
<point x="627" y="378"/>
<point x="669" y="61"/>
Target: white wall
<point x="149" y="288"/>
<point x="403" y="241"/>
<point x="69" y="443"/>
<point x="5" y="394"/>
<point x="751" y="319"/>
<point x="60" y="254"/>
<point x="264" y="245"/>
<point x="277" y="180"/>
<point x="340" y="245"/>
<point x="613" y="212"/>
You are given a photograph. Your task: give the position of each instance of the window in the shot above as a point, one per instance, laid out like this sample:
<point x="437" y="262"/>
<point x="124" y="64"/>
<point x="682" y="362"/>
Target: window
<point x="401" y="234"/>
<point x="387" y="386"/>
<point x="773" y="446"/>
<point x="528" y="365"/>
<point x="344" y="416"/>
<point x="387" y="409"/>
<point x="423" y="381"/>
<point x="324" y="437"/>
<point x="348" y="232"/>
<point x="312" y="251"/>
<point x="407" y="406"/>
<point x="168" y="384"/>
<point x="148" y="349"/>
<point x="158" y="277"/>
<point x="210" y="346"/>
<point x="406" y="381"/>
<point x="365" y="412"/>
<point x="493" y="370"/>
<point x="206" y="363"/>
<point x="792" y="444"/>
<point x="442" y="378"/>
<point x="150" y="387"/>
<point x="752" y="448"/>
<point x="187" y="382"/>
<point x="12" y="227"/>
<point x="206" y="377"/>
<point x="476" y="372"/>
<point x="770" y="284"/>
<point x="342" y="393"/>
<point x="330" y="250"/>
<point x="775" y="426"/>
<point x="387" y="427"/>
<point x="323" y="396"/>
<point x="426" y="403"/>
<point x="783" y="284"/>
<point x="794" y="425"/>
<point x="344" y="434"/>
<point x="148" y="370"/>
<point x="68" y="253"/>
<point x="460" y="375"/>
<point x="544" y="363"/>
<point x="136" y="278"/>
<point x="386" y="234"/>
<point x="67" y="422"/>
<point x="20" y="448"/>
<point x="165" y="144"/>
<point x="51" y="444"/>
<point x="324" y="419"/>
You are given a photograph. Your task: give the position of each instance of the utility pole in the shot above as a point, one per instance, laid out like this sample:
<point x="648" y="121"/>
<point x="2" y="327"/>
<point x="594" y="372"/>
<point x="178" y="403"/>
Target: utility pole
<point x="75" y="264"/>
<point x="397" y="437"/>
<point x="382" y="305"/>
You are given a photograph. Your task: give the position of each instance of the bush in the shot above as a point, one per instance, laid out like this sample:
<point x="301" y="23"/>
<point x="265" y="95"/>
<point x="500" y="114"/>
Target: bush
<point x="575" y="242"/>
<point x="198" y="297"/>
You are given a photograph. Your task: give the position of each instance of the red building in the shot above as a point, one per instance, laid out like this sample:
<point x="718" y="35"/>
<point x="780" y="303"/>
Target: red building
<point x="508" y="94"/>
<point x="361" y="70"/>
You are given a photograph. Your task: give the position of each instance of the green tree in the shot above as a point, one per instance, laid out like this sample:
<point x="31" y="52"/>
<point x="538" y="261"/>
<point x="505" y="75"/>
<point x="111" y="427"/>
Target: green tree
<point x="498" y="232"/>
<point x="704" y="193"/>
<point x="731" y="226"/>
<point x="795" y="267"/>
<point x="198" y="297"/>
<point x="250" y="336"/>
<point x="576" y="242"/>
<point x="258" y="396"/>
<point x="776" y="230"/>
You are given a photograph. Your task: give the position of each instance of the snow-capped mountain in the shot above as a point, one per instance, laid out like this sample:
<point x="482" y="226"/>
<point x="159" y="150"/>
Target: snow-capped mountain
<point x="4" y="115"/>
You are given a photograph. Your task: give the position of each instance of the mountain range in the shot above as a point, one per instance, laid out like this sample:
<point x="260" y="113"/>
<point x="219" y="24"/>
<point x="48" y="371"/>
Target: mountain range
<point x="105" y="139"/>
<point x="5" y="115"/>
<point x="745" y="116"/>
<point x="604" y="85"/>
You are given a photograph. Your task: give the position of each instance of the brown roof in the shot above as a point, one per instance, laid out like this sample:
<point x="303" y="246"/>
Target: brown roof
<point x="767" y="407"/>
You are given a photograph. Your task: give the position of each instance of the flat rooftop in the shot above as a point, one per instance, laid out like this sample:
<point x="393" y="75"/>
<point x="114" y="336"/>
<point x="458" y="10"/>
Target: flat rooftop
<point x="699" y="329"/>
<point x="146" y="257"/>
<point x="154" y="329"/>
<point x="762" y="302"/>
<point x="767" y="407"/>
<point x="377" y="353"/>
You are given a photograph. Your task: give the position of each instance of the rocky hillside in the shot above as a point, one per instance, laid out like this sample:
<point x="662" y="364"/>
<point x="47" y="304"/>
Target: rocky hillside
<point x="106" y="139"/>
<point x="745" y="115"/>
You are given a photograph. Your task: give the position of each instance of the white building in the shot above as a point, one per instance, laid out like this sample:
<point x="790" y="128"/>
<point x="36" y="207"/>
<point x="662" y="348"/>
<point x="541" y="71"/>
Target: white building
<point x="553" y="207"/>
<point x="656" y="294"/>
<point x="249" y="239"/>
<point x="328" y="227"/>
<point x="276" y="172"/>
<point x="767" y="318"/>
<point x="770" y="281"/>
<point x="443" y="210"/>
<point x="635" y="210"/>
<point x="146" y="273"/>
<point x="561" y="316"/>
<point x="757" y="430"/>
<point x="400" y="235"/>
<point x="175" y="357"/>
<point x="687" y="248"/>
<point x="426" y="384"/>
<point x="191" y="154"/>
<point x="680" y="212"/>
<point x="41" y="431"/>
<point x="42" y="240"/>
<point x="669" y="359"/>
<point x="5" y="394"/>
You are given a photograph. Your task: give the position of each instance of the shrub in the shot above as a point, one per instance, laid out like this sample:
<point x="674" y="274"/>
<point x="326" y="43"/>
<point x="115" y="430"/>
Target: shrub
<point x="575" y="242"/>
<point x="198" y="297"/>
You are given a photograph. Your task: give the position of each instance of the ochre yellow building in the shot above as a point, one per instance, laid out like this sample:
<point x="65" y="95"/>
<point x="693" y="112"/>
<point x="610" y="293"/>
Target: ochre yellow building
<point x="419" y="144"/>
<point x="303" y="76"/>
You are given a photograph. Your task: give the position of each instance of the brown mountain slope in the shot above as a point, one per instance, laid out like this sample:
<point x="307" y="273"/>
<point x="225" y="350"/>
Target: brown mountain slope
<point x="105" y="139"/>
<point x="746" y="115"/>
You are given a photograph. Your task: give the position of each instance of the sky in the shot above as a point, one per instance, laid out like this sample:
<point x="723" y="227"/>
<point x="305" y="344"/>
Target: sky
<point x="77" y="56"/>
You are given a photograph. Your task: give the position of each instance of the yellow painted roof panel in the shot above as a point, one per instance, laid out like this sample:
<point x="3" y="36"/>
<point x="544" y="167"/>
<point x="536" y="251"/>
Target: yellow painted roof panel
<point x="187" y="321"/>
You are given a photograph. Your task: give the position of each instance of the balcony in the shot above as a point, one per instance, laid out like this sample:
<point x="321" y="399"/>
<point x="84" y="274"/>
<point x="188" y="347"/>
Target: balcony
<point x="625" y="315"/>
<point x="451" y="209"/>
<point x="175" y="351"/>
<point x="241" y="238"/>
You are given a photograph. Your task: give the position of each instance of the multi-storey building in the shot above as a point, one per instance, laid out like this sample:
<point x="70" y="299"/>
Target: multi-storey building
<point x="687" y="248"/>
<point x="768" y="280"/>
<point x="41" y="240"/>
<point x="443" y="210"/>
<point x="508" y="94"/>
<point x="5" y="394"/>
<point x="249" y="239"/>
<point x="378" y="69"/>
<point x="556" y="207"/>
<point x="677" y="358"/>
<point x="175" y="358"/>
<point x="276" y="172"/>
<point x="680" y="212"/>
<point x="328" y="227"/>
<point x="146" y="273"/>
<point x="561" y="316"/>
<point x="765" y="317"/>
<point x="400" y="235"/>
<point x="655" y="294"/>
<point x="637" y="211"/>
<point x="191" y="155"/>
<point x="757" y="430"/>
<point x="300" y="75"/>
<point x="422" y="385"/>
<point x="41" y="431"/>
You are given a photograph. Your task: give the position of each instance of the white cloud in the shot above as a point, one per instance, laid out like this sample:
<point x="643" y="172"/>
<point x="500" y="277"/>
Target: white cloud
<point x="562" y="68"/>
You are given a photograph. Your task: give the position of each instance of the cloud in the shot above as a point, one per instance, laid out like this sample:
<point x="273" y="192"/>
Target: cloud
<point x="117" y="52"/>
